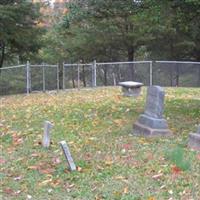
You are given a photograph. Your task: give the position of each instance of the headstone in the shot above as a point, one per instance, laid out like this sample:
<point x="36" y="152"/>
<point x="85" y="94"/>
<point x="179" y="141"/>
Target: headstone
<point x="47" y="134"/>
<point x="130" y="88"/>
<point x="152" y="123"/>
<point x="194" y="140"/>
<point x="68" y="156"/>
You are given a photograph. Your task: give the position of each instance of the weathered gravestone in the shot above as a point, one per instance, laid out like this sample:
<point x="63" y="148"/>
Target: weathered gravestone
<point x="47" y="133"/>
<point x="152" y="123"/>
<point x="194" y="140"/>
<point x="68" y="156"/>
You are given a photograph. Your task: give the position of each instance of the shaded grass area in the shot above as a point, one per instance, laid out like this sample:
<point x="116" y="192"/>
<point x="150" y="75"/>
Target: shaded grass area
<point x="97" y="125"/>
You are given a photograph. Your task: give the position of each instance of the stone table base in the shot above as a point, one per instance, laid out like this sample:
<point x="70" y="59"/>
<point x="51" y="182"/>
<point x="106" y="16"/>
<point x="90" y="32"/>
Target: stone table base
<point x="130" y="88"/>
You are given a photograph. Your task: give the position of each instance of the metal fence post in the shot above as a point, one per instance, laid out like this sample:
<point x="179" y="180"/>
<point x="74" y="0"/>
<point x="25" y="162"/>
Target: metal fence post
<point x="57" y="77"/>
<point x="94" y="74"/>
<point x="28" y="80"/>
<point x="78" y="76"/>
<point x="63" y="76"/>
<point x="43" y="77"/>
<point x="151" y="73"/>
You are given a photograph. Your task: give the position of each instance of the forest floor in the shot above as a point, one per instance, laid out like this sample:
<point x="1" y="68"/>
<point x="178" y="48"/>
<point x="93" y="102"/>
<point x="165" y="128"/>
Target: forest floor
<point x="111" y="162"/>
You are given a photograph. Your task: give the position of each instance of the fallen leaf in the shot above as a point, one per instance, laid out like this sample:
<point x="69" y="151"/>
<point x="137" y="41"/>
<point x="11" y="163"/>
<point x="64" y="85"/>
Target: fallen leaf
<point x="35" y="155"/>
<point x="34" y="167"/>
<point x="46" y="171"/>
<point x="56" y="182"/>
<point x="170" y="192"/>
<point x="17" y="178"/>
<point x="119" y="177"/>
<point x="157" y="176"/>
<point x="56" y="160"/>
<point x="45" y="182"/>
<point x="2" y="161"/>
<point x="127" y="146"/>
<point x="151" y="198"/>
<point x="29" y="196"/>
<point x="125" y="191"/>
<point x="176" y="170"/>
<point x="79" y="169"/>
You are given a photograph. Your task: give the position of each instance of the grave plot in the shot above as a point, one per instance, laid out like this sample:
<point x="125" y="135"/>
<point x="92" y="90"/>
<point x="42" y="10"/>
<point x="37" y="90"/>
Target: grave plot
<point x="110" y="162"/>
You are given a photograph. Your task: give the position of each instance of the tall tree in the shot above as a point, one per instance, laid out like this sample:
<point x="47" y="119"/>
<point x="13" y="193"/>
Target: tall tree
<point x="19" y="30"/>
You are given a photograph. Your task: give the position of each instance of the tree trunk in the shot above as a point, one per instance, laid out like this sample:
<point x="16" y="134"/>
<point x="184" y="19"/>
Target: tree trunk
<point x="177" y="75"/>
<point x="83" y="72"/>
<point x="171" y="76"/>
<point x="131" y="66"/>
<point x="73" y="81"/>
<point x="2" y="47"/>
<point x="105" y="75"/>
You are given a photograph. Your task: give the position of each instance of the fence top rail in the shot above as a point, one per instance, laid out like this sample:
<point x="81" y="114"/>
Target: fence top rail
<point x="78" y="64"/>
<point x="130" y="62"/>
<point x="181" y="62"/>
<point x="12" y="67"/>
<point x="45" y="65"/>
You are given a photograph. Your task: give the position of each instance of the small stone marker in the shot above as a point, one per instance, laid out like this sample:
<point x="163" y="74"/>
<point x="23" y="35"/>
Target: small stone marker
<point x="130" y="88"/>
<point x="46" y="136"/>
<point x="68" y="156"/>
<point x="194" y="140"/>
<point x="152" y="123"/>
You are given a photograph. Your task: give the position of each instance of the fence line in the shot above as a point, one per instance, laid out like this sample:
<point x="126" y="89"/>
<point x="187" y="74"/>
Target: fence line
<point x="43" y="77"/>
<point x="178" y="62"/>
<point x="12" y="67"/>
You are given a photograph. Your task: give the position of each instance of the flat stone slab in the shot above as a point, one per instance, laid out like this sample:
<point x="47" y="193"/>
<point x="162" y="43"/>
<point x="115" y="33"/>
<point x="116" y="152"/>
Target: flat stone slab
<point x="130" y="88"/>
<point x="142" y="130"/>
<point x="130" y="84"/>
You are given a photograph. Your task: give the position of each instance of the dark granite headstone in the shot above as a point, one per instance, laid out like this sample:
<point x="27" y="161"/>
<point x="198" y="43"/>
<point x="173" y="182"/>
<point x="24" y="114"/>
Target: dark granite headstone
<point x="194" y="140"/>
<point x="152" y="123"/>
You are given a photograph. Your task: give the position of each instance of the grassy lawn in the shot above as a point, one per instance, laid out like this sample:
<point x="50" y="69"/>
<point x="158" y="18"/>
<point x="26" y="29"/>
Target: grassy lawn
<point x="97" y="125"/>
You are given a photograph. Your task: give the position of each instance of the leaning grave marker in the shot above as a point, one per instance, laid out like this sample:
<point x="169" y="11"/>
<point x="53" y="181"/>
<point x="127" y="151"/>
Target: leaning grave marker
<point x="152" y="123"/>
<point x="68" y="156"/>
<point x="194" y="140"/>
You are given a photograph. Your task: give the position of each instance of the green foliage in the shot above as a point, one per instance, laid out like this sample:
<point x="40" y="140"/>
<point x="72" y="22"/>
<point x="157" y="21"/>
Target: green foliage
<point x="177" y="157"/>
<point x="19" y="30"/>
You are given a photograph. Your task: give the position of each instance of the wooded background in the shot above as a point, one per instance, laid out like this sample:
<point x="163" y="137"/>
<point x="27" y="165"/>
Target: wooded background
<point x="104" y="30"/>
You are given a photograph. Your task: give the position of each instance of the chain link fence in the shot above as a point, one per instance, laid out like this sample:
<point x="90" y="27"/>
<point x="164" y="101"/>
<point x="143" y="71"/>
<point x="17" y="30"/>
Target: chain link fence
<point x="30" y="78"/>
<point x="176" y="74"/>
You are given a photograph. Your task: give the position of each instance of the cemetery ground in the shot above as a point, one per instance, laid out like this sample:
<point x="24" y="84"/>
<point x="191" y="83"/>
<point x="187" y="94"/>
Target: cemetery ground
<point x="111" y="163"/>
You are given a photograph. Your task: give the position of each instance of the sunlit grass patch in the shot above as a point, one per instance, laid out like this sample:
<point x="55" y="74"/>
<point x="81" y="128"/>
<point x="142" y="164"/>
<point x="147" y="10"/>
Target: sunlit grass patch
<point x="97" y="125"/>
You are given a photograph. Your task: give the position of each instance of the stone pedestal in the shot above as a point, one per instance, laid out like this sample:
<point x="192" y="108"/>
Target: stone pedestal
<point x="151" y="123"/>
<point x="131" y="89"/>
